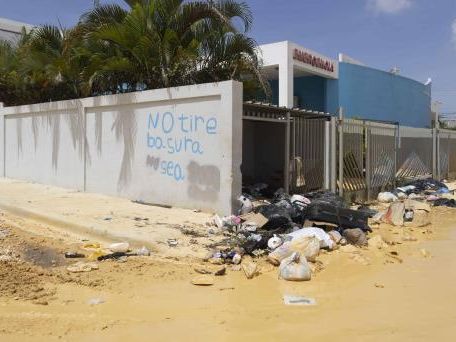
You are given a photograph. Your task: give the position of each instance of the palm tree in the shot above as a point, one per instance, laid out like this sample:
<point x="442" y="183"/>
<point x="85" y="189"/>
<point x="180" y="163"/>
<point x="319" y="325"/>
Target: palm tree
<point x="163" y="43"/>
<point x="147" y="44"/>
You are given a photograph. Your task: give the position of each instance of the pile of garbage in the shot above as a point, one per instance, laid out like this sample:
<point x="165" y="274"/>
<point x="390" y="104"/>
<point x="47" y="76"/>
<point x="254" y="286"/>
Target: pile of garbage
<point x="413" y="202"/>
<point x="290" y="231"/>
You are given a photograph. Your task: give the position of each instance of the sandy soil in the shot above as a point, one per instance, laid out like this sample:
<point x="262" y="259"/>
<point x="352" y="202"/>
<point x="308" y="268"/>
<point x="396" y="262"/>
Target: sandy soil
<point x="396" y="293"/>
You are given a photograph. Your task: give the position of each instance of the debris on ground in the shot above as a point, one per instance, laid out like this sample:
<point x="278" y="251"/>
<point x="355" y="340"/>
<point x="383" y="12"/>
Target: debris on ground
<point x="74" y="255"/>
<point x="294" y="268"/>
<point x="95" y="301"/>
<point x="82" y="267"/>
<point x="203" y="280"/>
<point x="298" y="300"/>
<point x="121" y="247"/>
<point x="250" y="269"/>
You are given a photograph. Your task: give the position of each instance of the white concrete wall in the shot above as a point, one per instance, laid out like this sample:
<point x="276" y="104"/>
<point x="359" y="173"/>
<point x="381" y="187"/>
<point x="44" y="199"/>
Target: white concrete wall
<point x="177" y="146"/>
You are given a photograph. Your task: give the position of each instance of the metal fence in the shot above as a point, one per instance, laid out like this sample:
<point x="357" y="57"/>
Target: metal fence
<point x="446" y="149"/>
<point x="294" y="141"/>
<point x="307" y="153"/>
<point x="356" y="158"/>
<point x="374" y="156"/>
<point x="415" y="153"/>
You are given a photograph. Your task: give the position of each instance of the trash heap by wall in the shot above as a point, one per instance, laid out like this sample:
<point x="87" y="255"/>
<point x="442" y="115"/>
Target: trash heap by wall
<point x="177" y="146"/>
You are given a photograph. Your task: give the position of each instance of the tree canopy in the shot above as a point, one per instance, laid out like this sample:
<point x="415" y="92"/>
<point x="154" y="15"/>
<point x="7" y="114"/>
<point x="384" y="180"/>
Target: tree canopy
<point x="147" y="44"/>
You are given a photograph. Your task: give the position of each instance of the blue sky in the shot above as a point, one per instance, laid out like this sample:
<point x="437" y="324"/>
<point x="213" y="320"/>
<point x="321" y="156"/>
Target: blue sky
<point x="418" y="36"/>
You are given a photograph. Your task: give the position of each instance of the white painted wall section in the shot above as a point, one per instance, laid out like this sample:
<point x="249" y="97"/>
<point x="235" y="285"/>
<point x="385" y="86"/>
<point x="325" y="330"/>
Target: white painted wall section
<point x="178" y="146"/>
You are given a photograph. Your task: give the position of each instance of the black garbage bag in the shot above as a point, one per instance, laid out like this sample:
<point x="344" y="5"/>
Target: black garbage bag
<point x="427" y="184"/>
<point x="327" y="197"/>
<point x="445" y="202"/>
<point x="343" y="217"/>
<point x="367" y="210"/>
<point x="277" y="216"/>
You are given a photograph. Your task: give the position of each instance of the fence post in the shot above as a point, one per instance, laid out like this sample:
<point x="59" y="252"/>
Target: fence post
<point x="333" y="155"/>
<point x="327" y="166"/>
<point x="286" y="178"/>
<point x="368" y="159"/>
<point x="341" y="151"/>
<point x="397" y="145"/>
<point x="3" y="142"/>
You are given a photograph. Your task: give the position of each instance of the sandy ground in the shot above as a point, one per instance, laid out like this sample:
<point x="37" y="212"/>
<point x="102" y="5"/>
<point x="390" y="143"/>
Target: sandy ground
<point x="393" y="294"/>
<point x="105" y="217"/>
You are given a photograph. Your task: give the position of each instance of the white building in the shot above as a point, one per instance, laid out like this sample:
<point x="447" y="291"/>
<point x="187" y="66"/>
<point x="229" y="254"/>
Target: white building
<point x="11" y="30"/>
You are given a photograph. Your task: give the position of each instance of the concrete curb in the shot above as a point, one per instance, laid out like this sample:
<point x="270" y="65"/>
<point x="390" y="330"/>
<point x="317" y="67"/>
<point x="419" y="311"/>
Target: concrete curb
<point x="62" y="224"/>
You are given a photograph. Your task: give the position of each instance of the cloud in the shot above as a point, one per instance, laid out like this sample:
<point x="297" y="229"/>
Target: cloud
<point x="453" y="32"/>
<point x="389" y="6"/>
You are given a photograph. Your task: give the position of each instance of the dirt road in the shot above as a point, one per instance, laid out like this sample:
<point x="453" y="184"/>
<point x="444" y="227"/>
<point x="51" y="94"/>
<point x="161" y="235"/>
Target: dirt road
<point x="393" y="294"/>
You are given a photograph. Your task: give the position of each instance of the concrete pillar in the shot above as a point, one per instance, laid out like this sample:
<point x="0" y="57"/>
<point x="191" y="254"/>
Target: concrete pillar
<point x="286" y="81"/>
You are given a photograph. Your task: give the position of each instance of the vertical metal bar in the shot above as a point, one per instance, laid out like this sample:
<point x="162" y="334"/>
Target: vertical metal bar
<point x="327" y="155"/>
<point x="4" y="141"/>
<point x="396" y="151"/>
<point x="367" y="155"/>
<point x="286" y="178"/>
<point x="435" y="152"/>
<point x="333" y="155"/>
<point x="84" y="113"/>
<point x="341" y="151"/>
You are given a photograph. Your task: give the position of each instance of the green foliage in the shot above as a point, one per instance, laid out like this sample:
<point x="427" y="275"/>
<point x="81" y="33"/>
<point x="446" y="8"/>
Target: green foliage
<point x="152" y="44"/>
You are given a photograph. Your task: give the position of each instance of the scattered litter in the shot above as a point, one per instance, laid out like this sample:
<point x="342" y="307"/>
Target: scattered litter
<point x="323" y="237"/>
<point x="121" y="259"/>
<point x="237" y="258"/>
<point x="395" y="214"/>
<point x="380" y="286"/>
<point x="387" y="197"/>
<point x="445" y="202"/>
<point x="250" y="269"/>
<point x="96" y="301"/>
<point x="226" y="288"/>
<point x="82" y="267"/>
<point x="143" y="251"/>
<point x="408" y="216"/>
<point x="274" y="242"/>
<point x="298" y="300"/>
<point x="74" y="255"/>
<point x="96" y="254"/>
<point x="91" y="245"/>
<point x="202" y="270"/>
<point x="256" y="218"/>
<point x="203" y="280"/>
<point x="172" y="243"/>
<point x="417" y="205"/>
<point x="221" y="271"/>
<point x="122" y="247"/>
<point x="335" y="236"/>
<point x="355" y="237"/>
<point x="246" y="205"/>
<point x="115" y="255"/>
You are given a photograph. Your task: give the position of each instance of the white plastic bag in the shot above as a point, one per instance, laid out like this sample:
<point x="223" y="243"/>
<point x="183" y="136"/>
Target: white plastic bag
<point x="295" y="268"/>
<point x="320" y="234"/>
<point x="307" y="246"/>
<point x="386" y="197"/>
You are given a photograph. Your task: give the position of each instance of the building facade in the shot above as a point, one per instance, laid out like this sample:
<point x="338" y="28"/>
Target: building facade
<point x="11" y="30"/>
<point x="303" y="78"/>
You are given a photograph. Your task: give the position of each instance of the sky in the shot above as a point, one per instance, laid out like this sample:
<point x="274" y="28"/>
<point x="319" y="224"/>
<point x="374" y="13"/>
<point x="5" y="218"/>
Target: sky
<point x="417" y="36"/>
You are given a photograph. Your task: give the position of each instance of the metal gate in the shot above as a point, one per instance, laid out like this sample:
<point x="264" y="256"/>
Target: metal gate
<point x="301" y="133"/>
<point x="307" y="153"/>
<point x="367" y="154"/>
